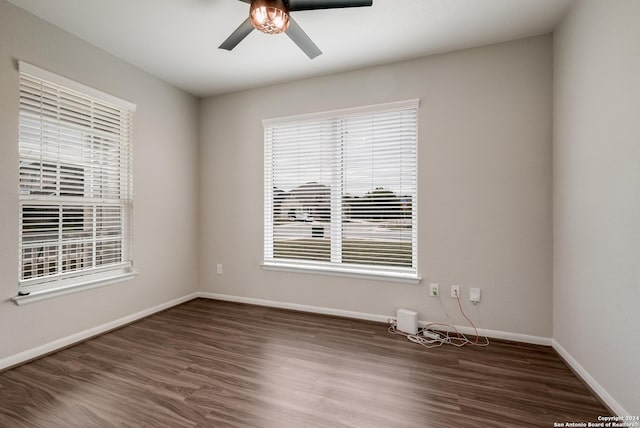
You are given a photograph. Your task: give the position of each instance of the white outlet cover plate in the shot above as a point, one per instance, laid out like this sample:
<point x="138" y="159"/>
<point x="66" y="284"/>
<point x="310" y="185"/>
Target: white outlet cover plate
<point x="455" y="288"/>
<point x="434" y="289"/>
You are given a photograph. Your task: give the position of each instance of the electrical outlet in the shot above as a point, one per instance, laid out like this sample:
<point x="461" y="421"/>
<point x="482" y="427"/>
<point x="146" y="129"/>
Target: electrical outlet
<point x="474" y="295"/>
<point x="219" y="269"/>
<point x="434" y="290"/>
<point x="455" y="291"/>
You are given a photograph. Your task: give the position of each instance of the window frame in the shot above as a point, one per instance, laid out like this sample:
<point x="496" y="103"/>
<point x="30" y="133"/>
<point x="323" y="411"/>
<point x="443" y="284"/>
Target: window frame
<point x="368" y="271"/>
<point x="101" y="218"/>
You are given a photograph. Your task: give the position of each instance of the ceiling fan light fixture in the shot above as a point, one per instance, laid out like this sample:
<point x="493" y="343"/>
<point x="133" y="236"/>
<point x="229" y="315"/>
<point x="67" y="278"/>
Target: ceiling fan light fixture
<point x="269" y="16"/>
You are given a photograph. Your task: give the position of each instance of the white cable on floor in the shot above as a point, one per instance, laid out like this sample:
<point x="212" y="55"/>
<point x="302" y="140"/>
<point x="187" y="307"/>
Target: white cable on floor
<point x="430" y="338"/>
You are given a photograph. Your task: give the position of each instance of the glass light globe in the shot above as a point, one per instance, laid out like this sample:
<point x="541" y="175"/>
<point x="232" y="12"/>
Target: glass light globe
<point x="269" y="16"/>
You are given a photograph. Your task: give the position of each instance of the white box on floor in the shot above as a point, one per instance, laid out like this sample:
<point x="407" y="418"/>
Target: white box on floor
<point x="407" y="321"/>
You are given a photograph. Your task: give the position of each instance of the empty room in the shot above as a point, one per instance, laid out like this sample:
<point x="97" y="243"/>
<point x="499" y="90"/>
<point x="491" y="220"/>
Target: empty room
<point x="319" y="213"/>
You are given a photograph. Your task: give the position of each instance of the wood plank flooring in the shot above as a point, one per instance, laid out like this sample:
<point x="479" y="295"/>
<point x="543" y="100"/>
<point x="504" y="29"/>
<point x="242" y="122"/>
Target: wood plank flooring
<point x="209" y="363"/>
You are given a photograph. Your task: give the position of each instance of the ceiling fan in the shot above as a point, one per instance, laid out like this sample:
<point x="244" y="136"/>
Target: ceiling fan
<point x="272" y="17"/>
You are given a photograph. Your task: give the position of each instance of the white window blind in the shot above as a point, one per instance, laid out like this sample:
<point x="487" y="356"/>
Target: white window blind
<point x="76" y="195"/>
<point x="341" y="190"/>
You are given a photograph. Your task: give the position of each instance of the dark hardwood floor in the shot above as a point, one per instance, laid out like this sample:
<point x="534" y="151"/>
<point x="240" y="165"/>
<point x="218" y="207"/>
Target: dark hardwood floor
<point x="209" y="363"/>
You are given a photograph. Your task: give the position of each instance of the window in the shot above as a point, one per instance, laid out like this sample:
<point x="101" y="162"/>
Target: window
<point x="340" y="191"/>
<point x="75" y="183"/>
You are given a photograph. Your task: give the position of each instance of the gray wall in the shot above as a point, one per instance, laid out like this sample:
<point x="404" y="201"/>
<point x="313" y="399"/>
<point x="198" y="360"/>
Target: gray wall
<point x="597" y="193"/>
<point x="485" y="216"/>
<point x="165" y="185"/>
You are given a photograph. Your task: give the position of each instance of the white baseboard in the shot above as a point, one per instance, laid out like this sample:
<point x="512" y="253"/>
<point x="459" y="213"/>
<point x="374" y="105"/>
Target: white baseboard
<point x="47" y="348"/>
<point x="536" y="340"/>
<point x="295" y="307"/>
<point x="617" y="409"/>
<point x="497" y="334"/>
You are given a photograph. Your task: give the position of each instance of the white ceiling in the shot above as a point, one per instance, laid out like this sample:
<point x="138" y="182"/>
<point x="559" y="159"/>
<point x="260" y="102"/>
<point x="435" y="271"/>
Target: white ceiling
<point x="177" y="40"/>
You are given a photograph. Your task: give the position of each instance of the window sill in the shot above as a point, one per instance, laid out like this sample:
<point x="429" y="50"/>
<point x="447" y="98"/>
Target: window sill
<point x="36" y="296"/>
<point x="345" y="272"/>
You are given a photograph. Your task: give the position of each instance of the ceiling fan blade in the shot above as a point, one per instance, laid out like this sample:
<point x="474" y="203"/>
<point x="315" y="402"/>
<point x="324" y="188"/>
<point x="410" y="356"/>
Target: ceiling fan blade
<point x="246" y="1"/>
<point x="236" y="37"/>
<point x="301" y="39"/>
<point x="296" y="5"/>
